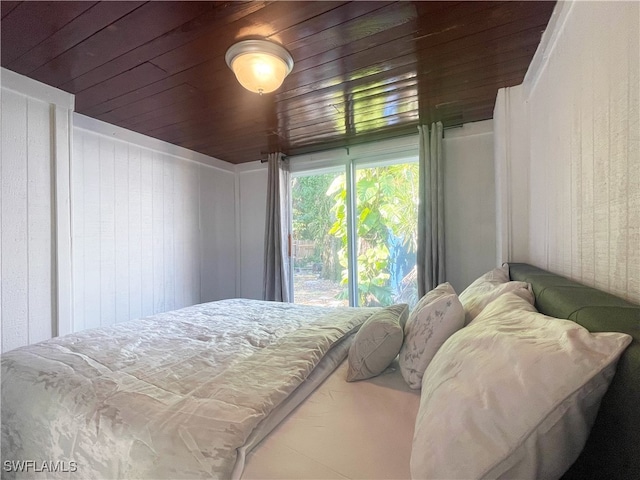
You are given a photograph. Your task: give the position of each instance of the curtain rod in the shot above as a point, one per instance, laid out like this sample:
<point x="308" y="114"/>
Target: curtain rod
<point x="265" y="160"/>
<point x="320" y="149"/>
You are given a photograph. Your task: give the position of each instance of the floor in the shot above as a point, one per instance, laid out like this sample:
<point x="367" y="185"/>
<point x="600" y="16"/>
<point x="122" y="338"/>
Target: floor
<point x="309" y="289"/>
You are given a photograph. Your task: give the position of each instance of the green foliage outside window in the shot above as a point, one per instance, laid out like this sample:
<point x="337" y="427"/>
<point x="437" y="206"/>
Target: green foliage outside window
<point x="386" y="205"/>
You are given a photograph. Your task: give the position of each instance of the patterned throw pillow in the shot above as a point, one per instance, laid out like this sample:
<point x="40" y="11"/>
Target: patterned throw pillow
<point x="434" y="319"/>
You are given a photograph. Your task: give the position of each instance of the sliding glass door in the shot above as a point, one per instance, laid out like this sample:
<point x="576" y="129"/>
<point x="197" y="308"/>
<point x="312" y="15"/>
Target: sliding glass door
<point x="354" y="235"/>
<point x="317" y="268"/>
<point x="386" y="226"/>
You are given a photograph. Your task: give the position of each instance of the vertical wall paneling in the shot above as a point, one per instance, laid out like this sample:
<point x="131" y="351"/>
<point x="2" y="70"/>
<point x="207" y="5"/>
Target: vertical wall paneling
<point x="15" y="256"/>
<point x="178" y="198"/>
<point x="187" y="249"/>
<point x="100" y="224"/>
<point x="2" y="184"/>
<point x="576" y="172"/>
<point x="168" y="234"/>
<point x="502" y="159"/>
<point x="121" y="232"/>
<point x="216" y="218"/>
<point x="633" y="174"/>
<point x="511" y="163"/>
<point x="165" y="235"/>
<point x="134" y="233"/>
<point x="146" y="232"/>
<point x="238" y="232"/>
<point x="582" y="95"/>
<point x="62" y="224"/>
<point x="78" y="232"/>
<point x="618" y="151"/>
<point x="89" y="211"/>
<point x="586" y="268"/>
<point x="252" y="179"/>
<point x="196" y="240"/>
<point x="601" y="159"/>
<point x="469" y="202"/>
<point x="107" y="259"/>
<point x="226" y="236"/>
<point x="40" y="218"/>
<point x="157" y="231"/>
<point x="35" y="280"/>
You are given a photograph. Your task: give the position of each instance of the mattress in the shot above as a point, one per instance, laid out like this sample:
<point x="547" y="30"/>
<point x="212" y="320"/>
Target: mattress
<point x="343" y="430"/>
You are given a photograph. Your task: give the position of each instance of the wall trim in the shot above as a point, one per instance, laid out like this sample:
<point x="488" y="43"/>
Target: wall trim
<point x="250" y="166"/>
<point x="511" y="169"/>
<point x="122" y="134"/>
<point x="482" y="127"/>
<point x="238" y="232"/>
<point x="62" y="246"/>
<point x="547" y="44"/>
<point x="502" y="159"/>
<point x="32" y="88"/>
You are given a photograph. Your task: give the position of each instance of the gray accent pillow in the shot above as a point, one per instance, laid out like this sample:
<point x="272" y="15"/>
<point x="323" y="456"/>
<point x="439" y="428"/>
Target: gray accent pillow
<point x="377" y="343"/>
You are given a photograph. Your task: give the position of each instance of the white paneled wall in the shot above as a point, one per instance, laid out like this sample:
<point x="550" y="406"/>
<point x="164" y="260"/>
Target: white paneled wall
<point x="27" y="309"/>
<point x="583" y="99"/>
<point x="252" y="194"/>
<point x="152" y="230"/>
<point x="511" y="165"/>
<point x="100" y="224"/>
<point x="469" y="203"/>
<point x="28" y="274"/>
<point x="219" y="244"/>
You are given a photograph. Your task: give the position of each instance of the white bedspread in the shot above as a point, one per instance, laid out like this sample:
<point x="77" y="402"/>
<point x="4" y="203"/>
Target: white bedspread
<point x="169" y="396"/>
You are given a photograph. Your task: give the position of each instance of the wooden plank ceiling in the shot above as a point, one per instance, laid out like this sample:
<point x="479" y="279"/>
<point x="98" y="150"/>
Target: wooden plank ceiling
<point x="363" y="70"/>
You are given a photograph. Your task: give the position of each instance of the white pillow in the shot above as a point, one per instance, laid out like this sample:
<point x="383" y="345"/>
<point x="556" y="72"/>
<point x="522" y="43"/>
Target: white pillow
<point x="489" y="280"/>
<point x="497" y="275"/>
<point x="436" y="316"/>
<point x="377" y="343"/>
<point x="513" y="395"/>
<point x="489" y="287"/>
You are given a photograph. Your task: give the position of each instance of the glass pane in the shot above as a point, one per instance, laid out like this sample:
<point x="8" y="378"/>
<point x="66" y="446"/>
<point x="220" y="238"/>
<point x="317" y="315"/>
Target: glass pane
<point x="386" y="226"/>
<point x="319" y="240"/>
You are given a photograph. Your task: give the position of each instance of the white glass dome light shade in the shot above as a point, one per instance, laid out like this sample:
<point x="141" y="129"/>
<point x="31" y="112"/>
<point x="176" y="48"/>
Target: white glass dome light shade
<point x="259" y="65"/>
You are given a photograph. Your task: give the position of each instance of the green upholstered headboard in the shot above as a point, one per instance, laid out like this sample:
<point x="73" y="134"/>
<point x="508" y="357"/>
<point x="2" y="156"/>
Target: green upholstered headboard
<point x="613" y="448"/>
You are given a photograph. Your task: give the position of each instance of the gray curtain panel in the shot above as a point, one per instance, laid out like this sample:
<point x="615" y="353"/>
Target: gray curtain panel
<point x="430" y="256"/>
<point x="276" y="251"/>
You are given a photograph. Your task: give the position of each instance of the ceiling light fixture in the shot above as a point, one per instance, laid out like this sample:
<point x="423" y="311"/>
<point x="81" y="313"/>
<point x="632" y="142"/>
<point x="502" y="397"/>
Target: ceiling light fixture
<point x="259" y="65"/>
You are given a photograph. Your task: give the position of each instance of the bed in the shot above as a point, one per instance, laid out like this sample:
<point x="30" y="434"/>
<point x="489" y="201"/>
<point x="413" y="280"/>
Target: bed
<point x="613" y="447"/>
<point x="316" y="441"/>
<point x="77" y="421"/>
<point x="181" y="394"/>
